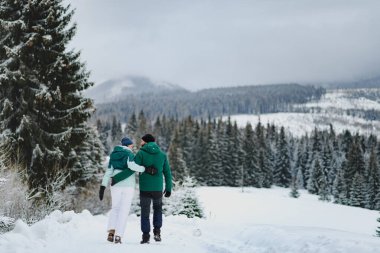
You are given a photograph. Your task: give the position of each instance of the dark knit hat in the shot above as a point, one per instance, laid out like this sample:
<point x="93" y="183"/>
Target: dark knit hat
<point x="148" y="138"/>
<point x="126" y="141"/>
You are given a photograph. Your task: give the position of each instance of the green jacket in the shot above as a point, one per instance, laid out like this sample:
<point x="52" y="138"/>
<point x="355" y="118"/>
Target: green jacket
<point x="151" y="154"/>
<point x="119" y="158"/>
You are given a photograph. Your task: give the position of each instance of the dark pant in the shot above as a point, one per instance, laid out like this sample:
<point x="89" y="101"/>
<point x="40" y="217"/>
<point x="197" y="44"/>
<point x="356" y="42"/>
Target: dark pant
<point x="146" y="199"/>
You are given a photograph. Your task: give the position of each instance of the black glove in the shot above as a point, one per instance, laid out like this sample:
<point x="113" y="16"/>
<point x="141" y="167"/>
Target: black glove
<point x="101" y="192"/>
<point x="112" y="181"/>
<point x="167" y="194"/>
<point x="151" y="170"/>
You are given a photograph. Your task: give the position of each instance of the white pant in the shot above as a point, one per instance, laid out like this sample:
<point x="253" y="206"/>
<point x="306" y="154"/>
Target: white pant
<point x="121" y="205"/>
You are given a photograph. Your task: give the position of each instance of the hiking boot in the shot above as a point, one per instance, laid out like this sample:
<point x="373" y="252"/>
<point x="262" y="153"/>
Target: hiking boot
<point x="117" y="239"/>
<point x="145" y="238"/>
<point x="157" y="234"/>
<point x="111" y="235"/>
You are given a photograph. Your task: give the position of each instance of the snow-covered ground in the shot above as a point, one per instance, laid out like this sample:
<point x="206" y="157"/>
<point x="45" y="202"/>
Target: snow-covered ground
<point x="257" y="220"/>
<point x="348" y="99"/>
<point x="300" y="123"/>
<point x="331" y="109"/>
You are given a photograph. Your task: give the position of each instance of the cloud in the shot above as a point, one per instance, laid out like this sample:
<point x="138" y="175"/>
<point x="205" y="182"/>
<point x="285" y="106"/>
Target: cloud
<point x="204" y="43"/>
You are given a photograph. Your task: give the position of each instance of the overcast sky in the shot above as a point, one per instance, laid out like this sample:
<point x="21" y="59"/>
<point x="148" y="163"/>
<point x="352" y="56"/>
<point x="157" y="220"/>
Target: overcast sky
<point x="205" y="43"/>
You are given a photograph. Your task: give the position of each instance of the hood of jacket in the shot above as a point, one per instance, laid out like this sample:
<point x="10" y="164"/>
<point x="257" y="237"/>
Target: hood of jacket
<point x="118" y="153"/>
<point x="151" y="148"/>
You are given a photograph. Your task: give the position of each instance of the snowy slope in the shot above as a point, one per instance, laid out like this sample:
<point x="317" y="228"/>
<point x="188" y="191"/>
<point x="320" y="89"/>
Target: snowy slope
<point x="348" y="99"/>
<point x="330" y="109"/>
<point x="258" y="220"/>
<point x="300" y="123"/>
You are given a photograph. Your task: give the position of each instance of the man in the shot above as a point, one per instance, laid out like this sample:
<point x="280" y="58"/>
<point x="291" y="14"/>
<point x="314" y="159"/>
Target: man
<point x="156" y="166"/>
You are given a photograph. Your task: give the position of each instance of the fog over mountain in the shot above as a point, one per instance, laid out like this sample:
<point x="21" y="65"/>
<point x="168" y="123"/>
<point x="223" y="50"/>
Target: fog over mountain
<point x="121" y="88"/>
<point x="209" y="43"/>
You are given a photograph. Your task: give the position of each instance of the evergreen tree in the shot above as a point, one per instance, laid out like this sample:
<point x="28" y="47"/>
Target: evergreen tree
<point x="346" y="141"/>
<point x="131" y="129"/>
<point x="340" y="189"/>
<point x="357" y="190"/>
<point x="373" y="180"/>
<point x="176" y="161"/>
<point x="282" y="176"/>
<point x="230" y="153"/>
<point x="302" y="159"/>
<point x="355" y="162"/>
<point x="187" y="140"/>
<point x="251" y="173"/>
<point x="316" y="174"/>
<point x="116" y="131"/>
<point x="213" y="167"/>
<point x="237" y="157"/>
<point x="299" y="180"/>
<point x="42" y="110"/>
<point x="266" y="179"/>
<point x="200" y="156"/>
<point x="327" y="168"/>
<point x="378" y="229"/>
<point x="184" y="201"/>
<point x="142" y="129"/>
<point x="191" y="206"/>
<point x="323" y="191"/>
<point x="316" y="143"/>
<point x="294" y="192"/>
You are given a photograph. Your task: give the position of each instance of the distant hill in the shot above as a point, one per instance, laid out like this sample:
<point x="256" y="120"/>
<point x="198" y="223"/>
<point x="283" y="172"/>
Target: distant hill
<point x="118" y="89"/>
<point x="373" y="82"/>
<point x="215" y="102"/>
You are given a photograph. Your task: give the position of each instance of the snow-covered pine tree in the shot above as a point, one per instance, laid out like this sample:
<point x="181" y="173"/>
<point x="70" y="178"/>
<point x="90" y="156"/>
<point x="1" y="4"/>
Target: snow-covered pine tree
<point x="142" y="129"/>
<point x="316" y="143"/>
<point x="159" y="133"/>
<point x="42" y="110"/>
<point x="270" y="138"/>
<point x="373" y="180"/>
<point x="326" y="160"/>
<point x="282" y="176"/>
<point x="187" y="139"/>
<point x="176" y="161"/>
<point x="237" y="157"/>
<point x="116" y="131"/>
<point x="266" y="179"/>
<point x="340" y="189"/>
<point x="324" y="191"/>
<point x="377" y="201"/>
<point x="378" y="228"/>
<point x="315" y="176"/>
<point x="357" y="191"/>
<point x="229" y="168"/>
<point x="131" y="128"/>
<point x="301" y="162"/>
<point x="355" y="162"/>
<point x="213" y="164"/>
<point x="251" y="174"/>
<point x="200" y="156"/>
<point x="184" y="201"/>
<point x="191" y="206"/>
<point x="294" y="189"/>
<point x="347" y="140"/>
<point x="299" y="179"/>
<point x="372" y="142"/>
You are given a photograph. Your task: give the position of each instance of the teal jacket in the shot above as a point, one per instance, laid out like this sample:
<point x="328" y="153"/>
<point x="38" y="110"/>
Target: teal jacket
<point x="118" y="163"/>
<point x="151" y="154"/>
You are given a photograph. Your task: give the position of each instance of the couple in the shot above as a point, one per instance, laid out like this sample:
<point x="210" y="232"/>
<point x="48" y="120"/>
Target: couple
<point x="152" y="164"/>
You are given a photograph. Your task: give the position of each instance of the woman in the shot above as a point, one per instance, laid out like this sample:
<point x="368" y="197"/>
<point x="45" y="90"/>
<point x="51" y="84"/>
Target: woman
<point x="121" y="159"/>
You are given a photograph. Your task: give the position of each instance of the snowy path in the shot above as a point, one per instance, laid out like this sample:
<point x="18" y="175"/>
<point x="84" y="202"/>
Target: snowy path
<point x="256" y="221"/>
